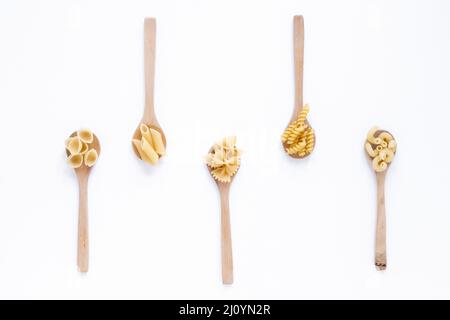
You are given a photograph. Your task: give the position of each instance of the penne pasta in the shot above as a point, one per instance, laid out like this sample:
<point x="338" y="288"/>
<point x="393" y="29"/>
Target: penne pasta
<point x="145" y="134"/>
<point x="158" y="143"/>
<point x="149" y="151"/>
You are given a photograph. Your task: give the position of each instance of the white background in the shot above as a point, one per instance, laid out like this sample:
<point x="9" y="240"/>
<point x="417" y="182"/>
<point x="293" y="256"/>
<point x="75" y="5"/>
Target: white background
<point x="301" y="229"/>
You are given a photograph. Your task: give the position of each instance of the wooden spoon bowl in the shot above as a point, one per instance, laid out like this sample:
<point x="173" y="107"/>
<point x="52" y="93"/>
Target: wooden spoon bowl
<point x="137" y="135"/>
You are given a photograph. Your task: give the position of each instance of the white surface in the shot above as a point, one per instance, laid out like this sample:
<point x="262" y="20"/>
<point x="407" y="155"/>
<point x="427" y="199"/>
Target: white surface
<point x="301" y="229"/>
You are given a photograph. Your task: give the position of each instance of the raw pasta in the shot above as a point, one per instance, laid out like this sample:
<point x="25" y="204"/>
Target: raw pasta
<point x="90" y="158"/>
<point x="299" y="137"/>
<point x="81" y="150"/>
<point x="224" y="159"/>
<point x="75" y="160"/>
<point x="150" y="146"/>
<point x="74" y="145"/>
<point x="85" y="135"/>
<point x="381" y="148"/>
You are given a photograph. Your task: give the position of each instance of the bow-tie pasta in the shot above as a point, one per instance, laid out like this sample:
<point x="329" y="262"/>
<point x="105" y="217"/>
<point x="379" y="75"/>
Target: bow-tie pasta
<point x="80" y="149"/>
<point x="150" y="146"/>
<point x="224" y="159"/>
<point x="381" y="147"/>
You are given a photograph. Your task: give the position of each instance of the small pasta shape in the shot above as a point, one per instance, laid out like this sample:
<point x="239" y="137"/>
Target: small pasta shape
<point x="90" y="157"/>
<point x="224" y="159"/>
<point x="75" y="160"/>
<point x="158" y="143"/>
<point x="381" y="148"/>
<point x="74" y="145"/>
<point x="299" y="137"/>
<point x="81" y="149"/>
<point x="149" y="151"/>
<point x="150" y="146"/>
<point x="85" y="135"/>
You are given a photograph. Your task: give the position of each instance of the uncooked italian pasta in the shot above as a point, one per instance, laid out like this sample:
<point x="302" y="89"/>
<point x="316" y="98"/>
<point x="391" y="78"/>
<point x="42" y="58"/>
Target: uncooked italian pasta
<point x="150" y="146"/>
<point x="299" y="138"/>
<point x="80" y="149"/>
<point x="381" y="148"/>
<point x="224" y="159"/>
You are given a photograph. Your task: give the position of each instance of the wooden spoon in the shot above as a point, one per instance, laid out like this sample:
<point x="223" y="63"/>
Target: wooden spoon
<point x="83" y="230"/>
<point x="380" y="234"/>
<point x="227" y="252"/>
<point x="149" y="117"/>
<point x="299" y="43"/>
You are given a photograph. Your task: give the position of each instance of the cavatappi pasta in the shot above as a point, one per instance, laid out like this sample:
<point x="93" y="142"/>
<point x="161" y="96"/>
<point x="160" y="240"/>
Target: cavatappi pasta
<point x="381" y="148"/>
<point x="299" y="138"/>
<point x="80" y="149"/>
<point x="150" y="146"/>
<point x="224" y="159"/>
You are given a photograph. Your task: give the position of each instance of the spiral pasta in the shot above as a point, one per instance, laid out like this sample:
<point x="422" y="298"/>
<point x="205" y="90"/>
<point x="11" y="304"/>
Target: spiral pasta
<point x="299" y="138"/>
<point x="80" y="149"/>
<point x="224" y="159"/>
<point x="381" y="147"/>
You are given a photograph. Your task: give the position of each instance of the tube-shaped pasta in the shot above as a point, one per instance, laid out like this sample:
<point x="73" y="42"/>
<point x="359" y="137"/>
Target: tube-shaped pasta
<point x="90" y="158"/>
<point x="85" y="135"/>
<point x="381" y="147"/>
<point x="378" y="164"/>
<point x="74" y="145"/>
<point x="75" y="160"/>
<point x="157" y="142"/>
<point x="370" y="151"/>
<point x="145" y="133"/>
<point x="150" y="154"/>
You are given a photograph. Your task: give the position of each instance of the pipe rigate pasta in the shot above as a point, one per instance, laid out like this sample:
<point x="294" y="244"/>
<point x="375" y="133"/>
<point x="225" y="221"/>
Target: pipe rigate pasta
<point x="90" y="158"/>
<point x="85" y="135"/>
<point x="80" y="149"/>
<point x="150" y="145"/>
<point x="381" y="148"/>
<point x="224" y="159"/>
<point x="299" y="137"/>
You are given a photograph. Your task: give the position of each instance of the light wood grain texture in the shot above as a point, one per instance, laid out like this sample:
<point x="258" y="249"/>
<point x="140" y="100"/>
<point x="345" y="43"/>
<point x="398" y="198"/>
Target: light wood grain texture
<point x="149" y="116"/>
<point x="225" y="226"/>
<point x="83" y="173"/>
<point x="299" y="48"/>
<point x="380" y="240"/>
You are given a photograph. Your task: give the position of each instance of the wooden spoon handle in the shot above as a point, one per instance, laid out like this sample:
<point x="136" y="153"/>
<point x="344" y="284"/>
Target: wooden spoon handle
<point x="149" y="68"/>
<point x="299" y="36"/>
<point x="380" y="242"/>
<point x="227" y="254"/>
<point x="83" y="231"/>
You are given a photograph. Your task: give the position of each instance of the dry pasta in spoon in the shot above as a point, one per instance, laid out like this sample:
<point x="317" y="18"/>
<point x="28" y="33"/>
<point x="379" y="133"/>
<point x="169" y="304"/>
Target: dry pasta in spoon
<point x="299" y="137"/>
<point x="224" y="159"/>
<point x="80" y="149"/>
<point x="150" y="146"/>
<point x="380" y="147"/>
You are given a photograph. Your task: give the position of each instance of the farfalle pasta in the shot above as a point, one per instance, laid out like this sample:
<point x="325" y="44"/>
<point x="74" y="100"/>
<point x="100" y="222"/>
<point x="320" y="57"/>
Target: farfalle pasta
<point x="80" y="149"/>
<point x="299" y="138"/>
<point x="224" y="159"/>
<point x="381" y="147"/>
<point x="150" y="146"/>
